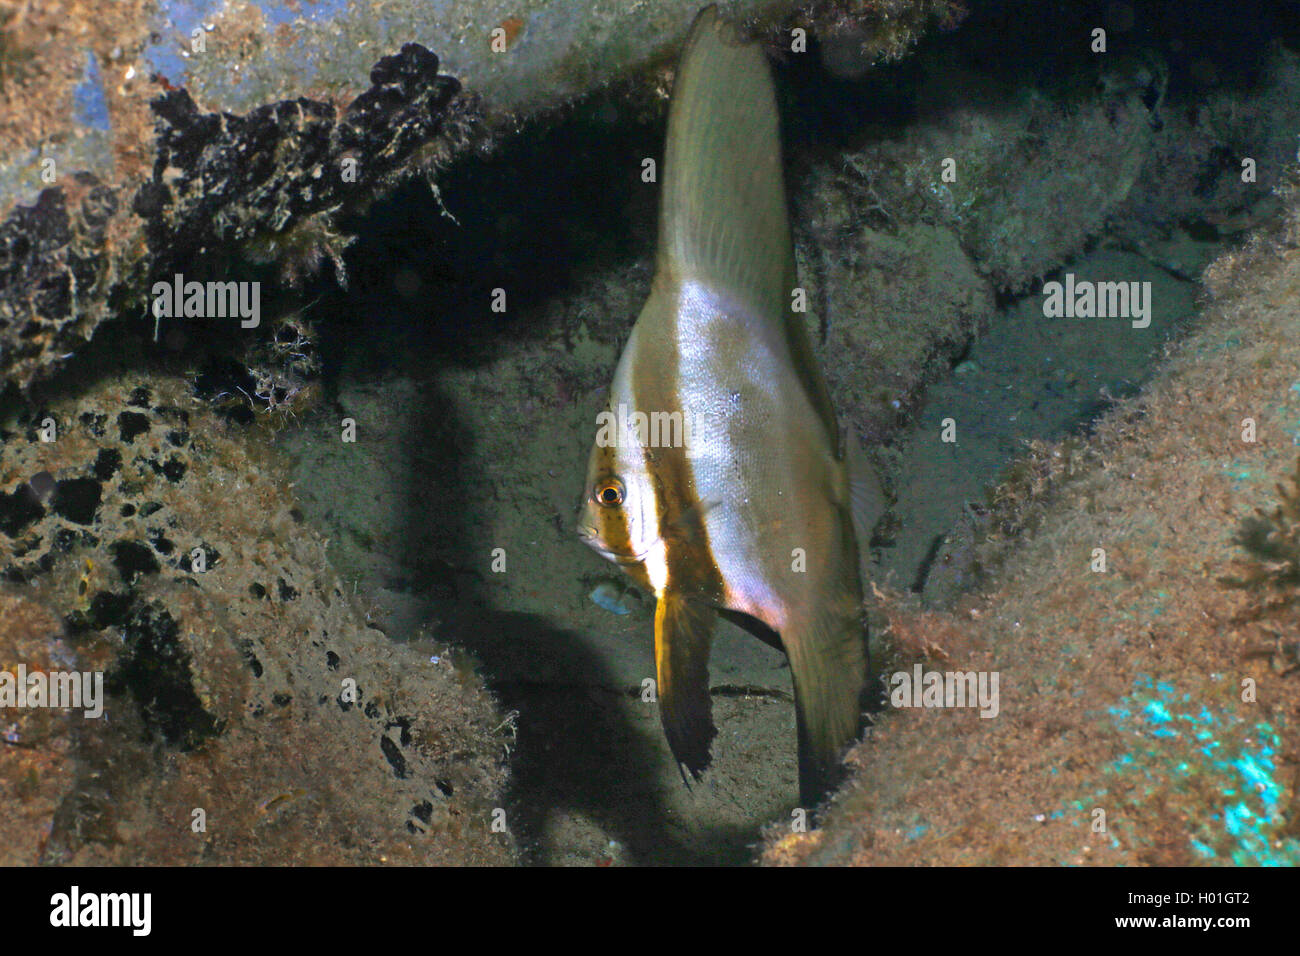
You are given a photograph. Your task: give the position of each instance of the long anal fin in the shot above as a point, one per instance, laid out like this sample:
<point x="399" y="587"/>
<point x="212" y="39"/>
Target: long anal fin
<point x="828" y="661"/>
<point x="683" y="634"/>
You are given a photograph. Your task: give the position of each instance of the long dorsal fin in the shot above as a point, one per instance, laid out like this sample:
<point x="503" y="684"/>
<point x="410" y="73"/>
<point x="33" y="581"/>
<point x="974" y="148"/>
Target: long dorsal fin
<point x="722" y="217"/>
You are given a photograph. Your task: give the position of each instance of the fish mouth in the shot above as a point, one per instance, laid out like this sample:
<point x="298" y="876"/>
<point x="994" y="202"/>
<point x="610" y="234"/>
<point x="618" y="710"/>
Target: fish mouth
<point x="592" y="540"/>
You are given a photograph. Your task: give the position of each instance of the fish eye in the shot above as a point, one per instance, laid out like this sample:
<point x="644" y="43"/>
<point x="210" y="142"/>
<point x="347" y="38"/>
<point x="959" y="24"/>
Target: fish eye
<point x="609" y="492"/>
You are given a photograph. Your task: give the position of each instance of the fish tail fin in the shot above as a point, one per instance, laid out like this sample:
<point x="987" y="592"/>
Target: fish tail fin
<point x="828" y="660"/>
<point x="683" y="634"/>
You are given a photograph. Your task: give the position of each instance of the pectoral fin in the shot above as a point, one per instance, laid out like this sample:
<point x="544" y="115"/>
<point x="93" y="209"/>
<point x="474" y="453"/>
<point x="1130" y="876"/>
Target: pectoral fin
<point x="683" y="633"/>
<point x="828" y="662"/>
<point x="689" y="527"/>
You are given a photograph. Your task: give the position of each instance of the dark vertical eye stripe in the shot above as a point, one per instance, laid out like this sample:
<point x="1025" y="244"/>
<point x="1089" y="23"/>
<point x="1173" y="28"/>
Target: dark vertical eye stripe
<point x="614" y="524"/>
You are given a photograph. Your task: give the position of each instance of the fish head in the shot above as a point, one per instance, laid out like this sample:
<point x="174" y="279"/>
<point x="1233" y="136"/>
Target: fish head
<point x="617" y="516"/>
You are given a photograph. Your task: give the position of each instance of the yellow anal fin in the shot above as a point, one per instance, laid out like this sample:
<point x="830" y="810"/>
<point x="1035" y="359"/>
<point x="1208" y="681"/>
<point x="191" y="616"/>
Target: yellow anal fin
<point x="829" y="665"/>
<point x="683" y="634"/>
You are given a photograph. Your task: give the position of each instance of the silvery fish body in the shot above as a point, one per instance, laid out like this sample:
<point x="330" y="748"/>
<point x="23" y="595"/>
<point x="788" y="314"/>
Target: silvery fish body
<point x="720" y="480"/>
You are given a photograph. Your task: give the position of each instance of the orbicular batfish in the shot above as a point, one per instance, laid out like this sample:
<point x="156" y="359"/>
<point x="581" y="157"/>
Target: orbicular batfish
<point x="729" y="487"/>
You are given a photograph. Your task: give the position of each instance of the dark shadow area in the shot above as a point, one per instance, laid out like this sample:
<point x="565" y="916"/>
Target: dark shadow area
<point x="533" y="219"/>
<point x="1033" y="43"/>
<point x="578" y="751"/>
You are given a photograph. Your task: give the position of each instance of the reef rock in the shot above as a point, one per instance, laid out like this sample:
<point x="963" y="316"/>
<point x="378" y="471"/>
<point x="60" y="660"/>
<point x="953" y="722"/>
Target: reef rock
<point x="249" y="714"/>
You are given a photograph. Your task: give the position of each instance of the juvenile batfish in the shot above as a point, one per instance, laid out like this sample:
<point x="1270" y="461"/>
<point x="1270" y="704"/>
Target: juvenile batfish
<point x="726" y="487"/>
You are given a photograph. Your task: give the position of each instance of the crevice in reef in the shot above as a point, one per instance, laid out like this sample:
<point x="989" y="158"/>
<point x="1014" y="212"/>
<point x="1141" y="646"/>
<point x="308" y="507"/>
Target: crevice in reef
<point x="449" y="519"/>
